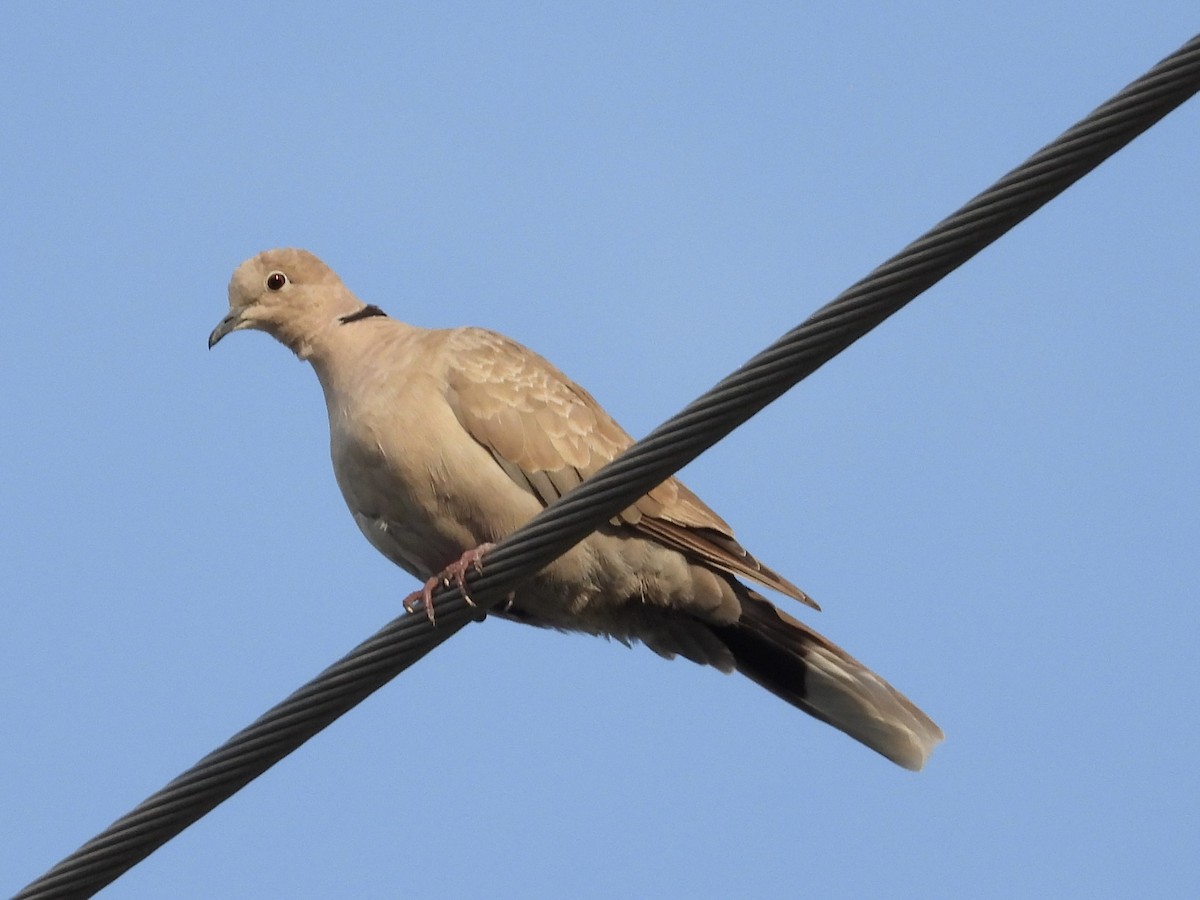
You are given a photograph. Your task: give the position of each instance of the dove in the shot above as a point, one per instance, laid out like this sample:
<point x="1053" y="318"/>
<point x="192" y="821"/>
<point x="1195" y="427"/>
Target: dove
<point x="444" y="441"/>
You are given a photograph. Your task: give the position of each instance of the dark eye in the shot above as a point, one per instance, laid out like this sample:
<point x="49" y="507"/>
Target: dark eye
<point x="276" y="281"/>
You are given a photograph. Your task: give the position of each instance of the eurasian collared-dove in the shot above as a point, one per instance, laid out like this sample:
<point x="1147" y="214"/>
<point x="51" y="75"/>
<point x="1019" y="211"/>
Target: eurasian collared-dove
<point x="445" y="440"/>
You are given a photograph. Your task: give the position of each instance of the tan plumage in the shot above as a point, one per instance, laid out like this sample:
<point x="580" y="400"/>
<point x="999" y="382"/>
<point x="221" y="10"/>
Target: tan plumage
<point x="443" y="440"/>
<point x="549" y="434"/>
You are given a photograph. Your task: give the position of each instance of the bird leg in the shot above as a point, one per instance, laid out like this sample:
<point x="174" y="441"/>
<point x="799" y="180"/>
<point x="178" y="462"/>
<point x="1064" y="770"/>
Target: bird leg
<point x="456" y="572"/>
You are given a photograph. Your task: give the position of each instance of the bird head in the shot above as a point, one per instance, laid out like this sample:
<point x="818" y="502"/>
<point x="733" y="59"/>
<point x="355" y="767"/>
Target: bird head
<point x="288" y="293"/>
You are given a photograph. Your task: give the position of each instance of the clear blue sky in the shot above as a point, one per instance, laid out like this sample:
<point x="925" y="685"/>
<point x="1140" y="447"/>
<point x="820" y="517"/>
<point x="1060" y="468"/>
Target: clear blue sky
<point x="994" y="496"/>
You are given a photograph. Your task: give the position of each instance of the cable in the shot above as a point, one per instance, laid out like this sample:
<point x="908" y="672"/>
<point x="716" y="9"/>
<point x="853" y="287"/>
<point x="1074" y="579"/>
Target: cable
<point x="669" y="447"/>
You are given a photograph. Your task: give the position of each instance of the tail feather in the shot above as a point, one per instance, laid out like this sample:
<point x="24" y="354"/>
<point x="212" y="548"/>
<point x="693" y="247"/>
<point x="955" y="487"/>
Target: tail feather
<point x="814" y="675"/>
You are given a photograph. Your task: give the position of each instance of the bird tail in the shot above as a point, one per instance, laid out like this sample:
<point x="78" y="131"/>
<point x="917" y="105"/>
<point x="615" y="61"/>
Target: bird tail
<point x="812" y="674"/>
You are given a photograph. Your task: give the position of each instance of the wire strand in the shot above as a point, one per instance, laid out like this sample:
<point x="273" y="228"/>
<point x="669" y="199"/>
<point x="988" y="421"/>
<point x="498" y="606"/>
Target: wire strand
<point x="647" y="463"/>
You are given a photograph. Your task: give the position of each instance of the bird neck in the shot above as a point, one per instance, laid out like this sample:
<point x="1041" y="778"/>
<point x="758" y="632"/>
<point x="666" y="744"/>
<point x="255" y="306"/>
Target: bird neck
<point x="353" y="343"/>
<point x="318" y="330"/>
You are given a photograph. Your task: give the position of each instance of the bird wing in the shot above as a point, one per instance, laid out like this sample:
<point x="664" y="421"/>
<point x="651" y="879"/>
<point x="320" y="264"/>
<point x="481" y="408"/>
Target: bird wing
<point x="548" y="434"/>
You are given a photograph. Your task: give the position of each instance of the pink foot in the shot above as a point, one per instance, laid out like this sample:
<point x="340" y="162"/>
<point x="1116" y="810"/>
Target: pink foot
<point x="456" y="572"/>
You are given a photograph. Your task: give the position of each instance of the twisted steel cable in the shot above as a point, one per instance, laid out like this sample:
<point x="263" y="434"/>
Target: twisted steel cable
<point x="669" y="447"/>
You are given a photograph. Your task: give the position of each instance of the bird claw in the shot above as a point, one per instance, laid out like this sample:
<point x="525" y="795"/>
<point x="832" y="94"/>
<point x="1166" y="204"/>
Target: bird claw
<point x="454" y="573"/>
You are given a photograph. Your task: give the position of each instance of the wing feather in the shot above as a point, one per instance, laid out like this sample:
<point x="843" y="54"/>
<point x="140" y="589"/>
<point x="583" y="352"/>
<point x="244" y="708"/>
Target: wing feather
<point x="548" y="434"/>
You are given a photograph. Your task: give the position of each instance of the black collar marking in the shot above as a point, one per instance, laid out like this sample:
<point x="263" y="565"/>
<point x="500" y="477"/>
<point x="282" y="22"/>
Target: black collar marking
<point x="367" y="312"/>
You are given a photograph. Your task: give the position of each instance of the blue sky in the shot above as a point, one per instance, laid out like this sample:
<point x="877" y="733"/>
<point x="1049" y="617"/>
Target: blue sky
<point x="994" y="496"/>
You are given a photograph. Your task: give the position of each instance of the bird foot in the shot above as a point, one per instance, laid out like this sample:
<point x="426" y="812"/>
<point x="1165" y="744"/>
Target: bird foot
<point x="456" y="572"/>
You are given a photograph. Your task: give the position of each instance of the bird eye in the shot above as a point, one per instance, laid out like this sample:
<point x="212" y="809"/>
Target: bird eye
<point x="276" y="281"/>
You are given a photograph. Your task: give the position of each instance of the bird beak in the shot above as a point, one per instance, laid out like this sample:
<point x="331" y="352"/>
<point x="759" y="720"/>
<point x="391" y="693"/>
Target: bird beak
<point x="231" y="322"/>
